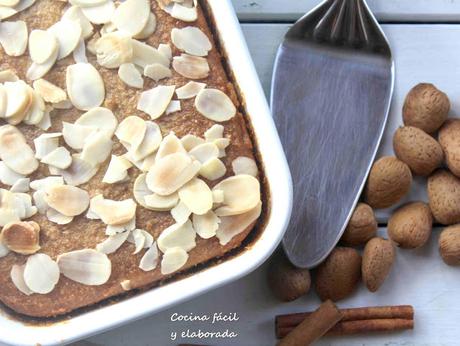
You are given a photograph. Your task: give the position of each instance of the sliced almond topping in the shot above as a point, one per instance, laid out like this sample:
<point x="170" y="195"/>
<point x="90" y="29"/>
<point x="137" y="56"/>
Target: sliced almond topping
<point x="144" y="55"/>
<point x="46" y="183"/>
<point x="87" y="266"/>
<point x="132" y="16"/>
<point x="42" y="45"/>
<point x="191" y="141"/>
<point x="138" y="238"/>
<point x="192" y="67"/>
<point x="130" y="75"/>
<point x="204" y="152"/>
<point x="8" y="76"/>
<point x="113" y="50"/>
<point x="155" y="101"/>
<point x="112" y="243"/>
<point x="45" y="123"/>
<point x="68" y="200"/>
<point x="170" y="145"/>
<point x="59" y="157"/>
<point x="19" y="98"/>
<point x="131" y="132"/>
<point x="41" y="273"/>
<point x="165" y="50"/>
<point x="79" y="53"/>
<point x="221" y="143"/>
<point x="186" y="14"/>
<point x="115" y="229"/>
<point x="150" y="143"/>
<point x="75" y="135"/>
<point x="23" y="205"/>
<point x="79" y="172"/>
<point x="17" y="276"/>
<point x="108" y="28"/>
<point x="149" y="28"/>
<point x="206" y="225"/>
<point x="8" y="176"/>
<point x="152" y="201"/>
<point x="36" y="111"/>
<point x="215" y="105"/>
<point x="36" y="71"/>
<point x="181" y="212"/>
<point x="117" y="170"/>
<point x="231" y="226"/>
<point x="197" y="196"/>
<point x="13" y="37"/>
<point x="8" y="215"/>
<point x="66" y="104"/>
<point x="68" y="34"/>
<point x="241" y="194"/>
<point x="85" y="86"/>
<point x="97" y="148"/>
<point x="244" y="165"/>
<point x="7" y="12"/>
<point x="148" y="239"/>
<point x="173" y="260"/>
<point x="174" y="106"/>
<point x="9" y="3"/>
<point x="75" y="13"/>
<point x="22" y="237"/>
<point x="191" y="40"/>
<point x="216" y="131"/>
<point x="86" y="3"/>
<point x="49" y="92"/>
<point x="213" y="169"/>
<point x="177" y="235"/>
<point x="54" y="216"/>
<point x="150" y="259"/>
<point x="21" y="185"/>
<point x="157" y="72"/>
<point x="15" y="152"/>
<point x="126" y="285"/>
<point x="113" y="212"/>
<point x="101" y="13"/>
<point x="100" y="118"/>
<point x="189" y="90"/>
<point x="24" y="4"/>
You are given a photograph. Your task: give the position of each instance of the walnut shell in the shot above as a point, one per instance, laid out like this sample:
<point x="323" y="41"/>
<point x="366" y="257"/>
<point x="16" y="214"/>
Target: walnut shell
<point x="425" y="107"/>
<point x="21" y="237"/>
<point x="378" y="258"/>
<point x="389" y="181"/>
<point x="449" y="138"/>
<point x="338" y="276"/>
<point x="421" y="152"/>
<point x="449" y="245"/>
<point x="444" y="197"/>
<point x="410" y="225"/>
<point x="361" y="227"/>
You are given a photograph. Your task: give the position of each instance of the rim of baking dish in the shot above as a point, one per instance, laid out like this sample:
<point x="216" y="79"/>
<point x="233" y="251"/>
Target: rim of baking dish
<point x="96" y="321"/>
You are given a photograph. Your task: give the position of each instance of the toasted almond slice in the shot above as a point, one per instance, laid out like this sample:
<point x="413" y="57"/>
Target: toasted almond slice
<point x="8" y="176"/>
<point x="24" y="202"/>
<point x="155" y="101"/>
<point x="8" y="215"/>
<point x="15" y="152"/>
<point x="165" y="50"/>
<point x="36" y="110"/>
<point x="192" y="67"/>
<point x="148" y="239"/>
<point x="197" y="196"/>
<point x="54" y="216"/>
<point x="36" y="71"/>
<point x="138" y="238"/>
<point x="9" y="3"/>
<point x="130" y="75"/>
<point x="13" y="37"/>
<point x="75" y="13"/>
<point x="85" y="86"/>
<point x="68" y="200"/>
<point x="149" y="28"/>
<point x="87" y="266"/>
<point x="100" y="118"/>
<point x="113" y="50"/>
<point x="115" y="229"/>
<point x="215" y="132"/>
<point x="45" y="123"/>
<point x="213" y="169"/>
<point x="174" y="106"/>
<point x="75" y="135"/>
<point x="39" y="201"/>
<point x="68" y="33"/>
<point x="161" y="203"/>
<point x="8" y="75"/>
<point x="79" y="53"/>
<point x="231" y="226"/>
<point x="79" y="172"/>
<point x="49" y="92"/>
<point x="24" y="4"/>
<point x="113" y="212"/>
<point x="144" y="55"/>
<point x="17" y="276"/>
<point x="22" y="237"/>
<point x="241" y="194"/>
<point x="170" y="145"/>
<point x="140" y="190"/>
<point x="177" y="235"/>
<point x="150" y="143"/>
<point x="97" y="148"/>
<point x="126" y="285"/>
<point x="191" y="40"/>
<point x="189" y="90"/>
<point x="215" y="105"/>
<point x="21" y="185"/>
<point x="204" y="152"/>
<point x="18" y="98"/>
<point x="112" y="243"/>
<point x="7" y="12"/>
<point x="157" y="72"/>
<point x="181" y="212"/>
<point x="191" y="141"/>
<point x="173" y="260"/>
<point x="244" y="165"/>
<point x="101" y="13"/>
<point x="59" y="157"/>
<point x="41" y="273"/>
<point x="46" y="183"/>
<point x="131" y="132"/>
<point x="86" y="3"/>
<point x="117" y="170"/>
<point x="150" y="259"/>
<point x="42" y="45"/>
<point x="186" y="14"/>
<point x="221" y="143"/>
<point x="132" y="16"/>
<point x="206" y="225"/>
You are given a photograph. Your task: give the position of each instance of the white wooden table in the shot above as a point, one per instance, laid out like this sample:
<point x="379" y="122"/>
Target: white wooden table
<point x="423" y="52"/>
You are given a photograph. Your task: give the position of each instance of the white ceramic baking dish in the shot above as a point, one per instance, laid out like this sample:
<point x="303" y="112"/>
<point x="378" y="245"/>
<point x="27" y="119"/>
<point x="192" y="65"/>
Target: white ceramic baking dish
<point x="100" y="319"/>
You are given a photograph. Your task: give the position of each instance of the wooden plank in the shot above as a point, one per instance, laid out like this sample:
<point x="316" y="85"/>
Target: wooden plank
<point x="422" y="53"/>
<point x="385" y="10"/>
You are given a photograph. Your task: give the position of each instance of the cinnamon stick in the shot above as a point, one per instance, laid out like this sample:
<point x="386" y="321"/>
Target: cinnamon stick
<point x="314" y="326"/>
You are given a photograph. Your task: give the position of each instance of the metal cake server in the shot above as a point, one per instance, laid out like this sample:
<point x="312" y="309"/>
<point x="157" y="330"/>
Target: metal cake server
<point x="331" y="92"/>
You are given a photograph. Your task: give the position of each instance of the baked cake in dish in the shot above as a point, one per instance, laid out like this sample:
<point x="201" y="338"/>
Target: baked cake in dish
<point x="125" y="158"/>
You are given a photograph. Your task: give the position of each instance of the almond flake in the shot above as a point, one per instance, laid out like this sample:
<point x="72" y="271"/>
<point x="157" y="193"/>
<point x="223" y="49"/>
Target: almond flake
<point x="144" y="55"/>
<point x="41" y="273"/>
<point x="54" y="216"/>
<point x="100" y="118"/>
<point x="191" y="141"/>
<point x="204" y="152"/>
<point x="45" y="123"/>
<point x="215" y="132"/>
<point x="36" y="71"/>
<point x="112" y="243"/>
<point x="165" y="50"/>
<point x="85" y="86"/>
<point x="7" y="12"/>
<point x="157" y="72"/>
<point x="206" y="225"/>
<point x="241" y="194"/>
<point x="17" y="276"/>
<point x="150" y="259"/>
<point x="8" y="215"/>
<point x="21" y="237"/>
<point x="75" y="135"/>
<point x="67" y="200"/>
<point x="87" y="266"/>
<point x="79" y="53"/>
<point x="19" y="98"/>
<point x="24" y="4"/>
<point x="15" y="152"/>
<point x="173" y="260"/>
<point x="115" y="229"/>
<point x="68" y="33"/>
<point x="170" y="145"/>
<point x="42" y="45"/>
<point x="13" y="37"/>
<point x="138" y="238"/>
<point x="101" y="13"/>
<point x="186" y="14"/>
<point x="152" y="201"/>
<point x="215" y="105"/>
<point x="150" y="143"/>
<point x="244" y="165"/>
<point x="49" y="92"/>
<point x="97" y="148"/>
<point x="8" y="76"/>
<point x="36" y="111"/>
<point x="174" y="106"/>
<point x="148" y="239"/>
<point x="131" y="132"/>
<point x="191" y="40"/>
<point x="131" y="16"/>
<point x="177" y="235"/>
<point x="197" y="196"/>
<point x="231" y="226"/>
<point x="86" y="3"/>
<point x="155" y="101"/>
<point x="189" y="90"/>
<point x="117" y="170"/>
<point x="213" y="169"/>
<point x="66" y="104"/>
<point x="9" y="3"/>
<point x="113" y="50"/>
<point x="126" y="285"/>
<point x="21" y="185"/>
<point x="149" y="28"/>
<point x="113" y="212"/>
<point x="59" y="157"/>
<point x="192" y="67"/>
<point x="46" y="183"/>
<point x="8" y="176"/>
<point x="129" y="74"/>
<point x="75" y="13"/>
<point x="79" y="172"/>
<point x="181" y="212"/>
